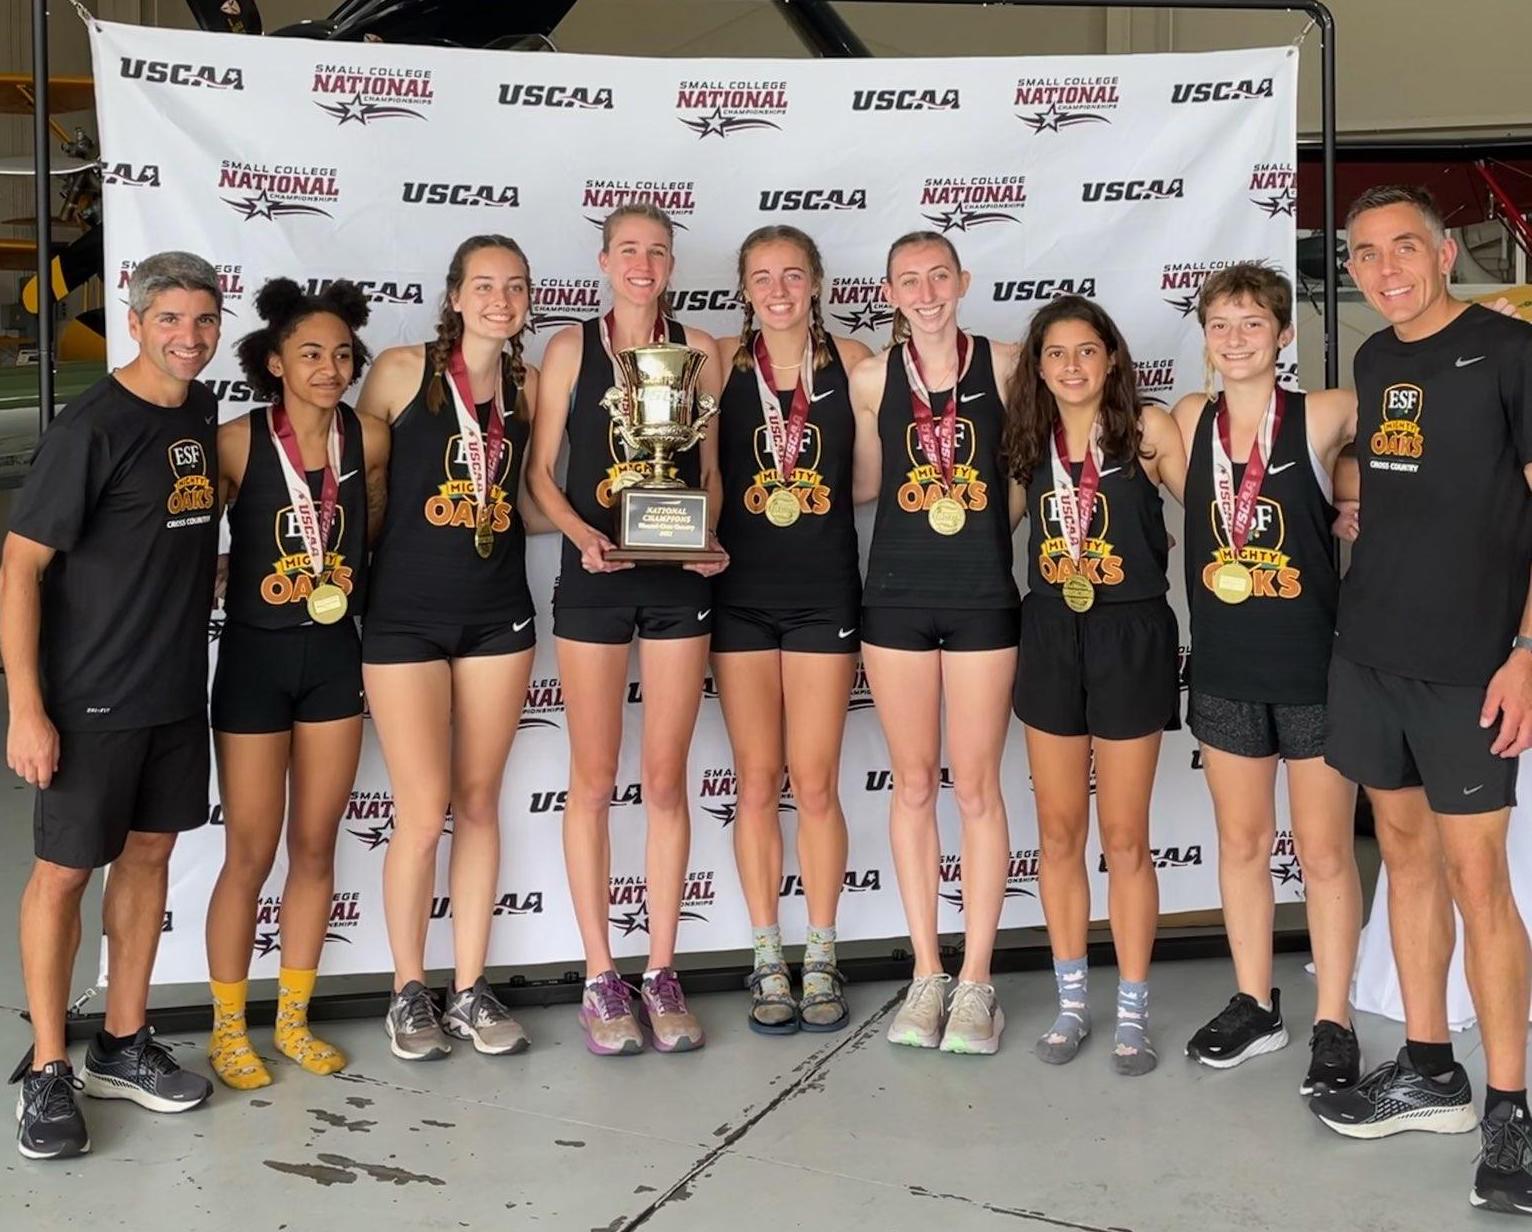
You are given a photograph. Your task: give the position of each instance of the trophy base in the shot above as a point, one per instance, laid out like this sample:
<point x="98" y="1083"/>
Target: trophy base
<point x="663" y="526"/>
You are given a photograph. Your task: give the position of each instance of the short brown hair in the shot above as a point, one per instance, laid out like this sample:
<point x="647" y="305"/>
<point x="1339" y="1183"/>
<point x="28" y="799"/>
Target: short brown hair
<point x="1249" y="280"/>
<point x="1379" y="195"/>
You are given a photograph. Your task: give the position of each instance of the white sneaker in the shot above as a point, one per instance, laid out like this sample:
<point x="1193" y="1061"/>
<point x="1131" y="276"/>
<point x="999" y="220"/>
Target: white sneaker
<point x="974" y="1021"/>
<point x="920" y="1019"/>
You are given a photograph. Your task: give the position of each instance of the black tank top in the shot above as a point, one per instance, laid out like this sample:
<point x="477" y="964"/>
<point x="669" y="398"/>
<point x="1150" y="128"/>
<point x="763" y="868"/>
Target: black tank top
<point x="596" y="454"/>
<point x="1275" y="646"/>
<point x="813" y="562"/>
<point x="1126" y="547"/>
<point x="425" y="569"/>
<point x="910" y="564"/>
<point x="269" y="577"/>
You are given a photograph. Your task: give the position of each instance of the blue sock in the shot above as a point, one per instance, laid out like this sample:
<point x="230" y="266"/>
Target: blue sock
<point x="1133" y="1053"/>
<point x="1062" y="1040"/>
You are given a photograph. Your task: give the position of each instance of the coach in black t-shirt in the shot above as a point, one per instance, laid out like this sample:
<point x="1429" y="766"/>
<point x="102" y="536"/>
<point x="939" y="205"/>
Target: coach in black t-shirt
<point x="1430" y="702"/>
<point x="105" y="591"/>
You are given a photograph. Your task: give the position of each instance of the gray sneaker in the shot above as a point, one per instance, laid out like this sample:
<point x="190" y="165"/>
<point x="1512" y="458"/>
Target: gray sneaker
<point x="920" y="1019"/>
<point x="414" y="1031"/>
<point x="974" y="1021"/>
<point x="476" y="1014"/>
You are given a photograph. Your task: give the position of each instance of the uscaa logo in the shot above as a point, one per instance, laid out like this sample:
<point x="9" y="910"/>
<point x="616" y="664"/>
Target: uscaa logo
<point x="557" y="302"/>
<point x="706" y="299"/>
<point x="1222" y="91"/>
<point x="369" y="817"/>
<point x="1186" y="277"/>
<point x="231" y="391"/>
<point x="718" y="108"/>
<point x="678" y="198"/>
<point x="544" y="705"/>
<point x="528" y="903"/>
<point x="1165" y="189"/>
<point x="720" y="795"/>
<point x="172" y="73"/>
<point x="1156" y="380"/>
<point x="377" y="290"/>
<point x="555" y="801"/>
<point x="1057" y="103"/>
<point x="883" y="780"/>
<point x="861" y="303"/>
<point x="434" y="192"/>
<point x="364" y="93"/>
<point x="1167" y="857"/>
<point x="966" y="202"/>
<point x="775" y="199"/>
<point x="524" y="94"/>
<point x="131" y="175"/>
<point x="628" y="898"/>
<point x="1274" y="189"/>
<point x="1285" y="869"/>
<point x="1022" y="290"/>
<point x="280" y="191"/>
<point x="345" y="914"/>
<point x="938" y="99"/>
<point x="856" y="881"/>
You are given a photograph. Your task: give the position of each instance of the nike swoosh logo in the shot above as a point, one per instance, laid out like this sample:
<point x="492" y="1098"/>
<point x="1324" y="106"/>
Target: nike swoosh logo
<point x="1463" y="363"/>
<point x="519" y="625"/>
<point x="1468" y="791"/>
<point x="346" y="476"/>
<point x="970" y="397"/>
<point x="704" y="613"/>
<point x="209" y="418"/>
<point x="1277" y="470"/>
<point x="1111" y="470"/>
<point x="821" y="397"/>
<point x="845" y="632"/>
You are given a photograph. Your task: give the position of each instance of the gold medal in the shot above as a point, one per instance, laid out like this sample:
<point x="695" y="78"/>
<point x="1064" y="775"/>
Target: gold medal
<point x="625" y="479"/>
<point x="782" y="508"/>
<point x="483" y="535"/>
<point x="946" y="516"/>
<point x="1079" y="593"/>
<point x="1232" y="582"/>
<point x="327" y="604"/>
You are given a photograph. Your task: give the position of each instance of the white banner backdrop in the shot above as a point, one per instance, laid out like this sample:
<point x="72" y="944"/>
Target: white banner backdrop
<point x="1124" y="178"/>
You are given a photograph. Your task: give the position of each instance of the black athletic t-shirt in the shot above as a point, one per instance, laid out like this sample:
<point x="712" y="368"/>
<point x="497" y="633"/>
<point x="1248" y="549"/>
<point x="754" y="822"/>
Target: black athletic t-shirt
<point x="813" y="562"/>
<point x="1439" y="574"/>
<point x="1126" y="549"/>
<point x="596" y="455"/>
<point x="1275" y="646"/>
<point x="269" y="575"/>
<point x="124" y="492"/>
<point x="910" y="563"/>
<point x="425" y="569"/>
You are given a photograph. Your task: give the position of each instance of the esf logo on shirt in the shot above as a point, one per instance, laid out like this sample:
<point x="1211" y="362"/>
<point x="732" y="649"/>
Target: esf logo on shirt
<point x="1399" y="435"/>
<point x="193" y="490"/>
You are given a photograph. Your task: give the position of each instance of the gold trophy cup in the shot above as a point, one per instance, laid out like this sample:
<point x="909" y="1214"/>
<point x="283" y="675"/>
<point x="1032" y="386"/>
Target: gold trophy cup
<point x="659" y="413"/>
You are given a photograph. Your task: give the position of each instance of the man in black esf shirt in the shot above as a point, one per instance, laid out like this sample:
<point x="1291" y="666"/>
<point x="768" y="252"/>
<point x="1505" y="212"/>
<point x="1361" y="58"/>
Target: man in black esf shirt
<point x="105" y="592"/>
<point x="1430" y="702"/>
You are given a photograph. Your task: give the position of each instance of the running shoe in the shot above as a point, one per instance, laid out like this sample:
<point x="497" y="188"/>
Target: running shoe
<point x="921" y="1018"/>
<point x="974" y="1021"/>
<point x="477" y="1014"/>
<point x="606" y="1017"/>
<point x="1335" y="1059"/>
<point x="49" y="1124"/>
<point x="145" y="1073"/>
<point x="1239" y="1031"/>
<point x="1503" y="1180"/>
<point x="662" y="1009"/>
<point x="1396" y="1097"/>
<point x="414" y="1027"/>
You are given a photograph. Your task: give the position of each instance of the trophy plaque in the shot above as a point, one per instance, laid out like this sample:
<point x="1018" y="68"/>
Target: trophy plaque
<point x="659" y="413"/>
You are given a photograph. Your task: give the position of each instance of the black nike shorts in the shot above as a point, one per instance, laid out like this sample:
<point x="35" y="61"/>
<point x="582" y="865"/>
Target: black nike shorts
<point x="269" y="679"/>
<point x="931" y="628"/>
<point x="1389" y="732"/>
<point x="1257" y="729"/>
<point x="109" y="783"/>
<point x="814" y="630"/>
<point x="392" y="641"/>
<point x="616" y="626"/>
<point x="1112" y="672"/>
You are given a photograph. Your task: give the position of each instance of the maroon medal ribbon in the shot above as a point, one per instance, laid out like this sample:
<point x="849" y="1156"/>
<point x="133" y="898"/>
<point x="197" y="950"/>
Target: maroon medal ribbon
<point x="482" y="446"/>
<point x="1077" y="501"/>
<point x="1238" y="508"/>
<point x="938" y="443"/>
<point x="315" y="524"/>
<point x="785" y="439"/>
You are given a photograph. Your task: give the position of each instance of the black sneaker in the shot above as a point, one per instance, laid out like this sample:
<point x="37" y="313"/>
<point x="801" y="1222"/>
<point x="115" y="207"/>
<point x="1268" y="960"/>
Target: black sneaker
<point x="1503" y="1180"/>
<point x="48" y="1121"/>
<point x="1335" y="1059"/>
<point x="1394" y="1098"/>
<point x="1241" y="1030"/>
<point x="145" y="1073"/>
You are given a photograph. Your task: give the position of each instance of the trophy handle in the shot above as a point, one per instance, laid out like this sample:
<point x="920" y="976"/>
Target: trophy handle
<point x="614" y="401"/>
<point x="707" y="407"/>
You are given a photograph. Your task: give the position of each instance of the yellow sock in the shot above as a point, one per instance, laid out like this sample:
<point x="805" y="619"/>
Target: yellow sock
<point x="292" y="1033"/>
<point x="228" y="1048"/>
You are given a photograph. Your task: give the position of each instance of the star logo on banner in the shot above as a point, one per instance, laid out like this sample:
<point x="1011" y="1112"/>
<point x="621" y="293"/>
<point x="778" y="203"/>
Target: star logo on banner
<point x="637" y="920"/>
<point x="960" y="219"/>
<point x="725" y="813"/>
<point x="262" y="206"/>
<point x="1185" y="305"/>
<point x="870" y="317"/>
<point x="355" y="109"/>
<point x="1284" y="202"/>
<point x="1052" y="120"/>
<point x="1287" y="872"/>
<point x="375" y="836"/>
<point x="721" y="125"/>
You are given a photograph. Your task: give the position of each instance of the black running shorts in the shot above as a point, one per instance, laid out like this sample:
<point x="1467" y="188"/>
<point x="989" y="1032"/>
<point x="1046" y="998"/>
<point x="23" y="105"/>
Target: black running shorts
<point x="269" y="679"/>
<point x="616" y="626"/>
<point x="930" y="628"/>
<point x="391" y="641"/>
<point x="816" y="630"/>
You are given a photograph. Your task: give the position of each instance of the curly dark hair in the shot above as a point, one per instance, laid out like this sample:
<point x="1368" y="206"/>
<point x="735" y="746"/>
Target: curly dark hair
<point x="744" y="357"/>
<point x="1031" y="412"/>
<point x="449" y="328"/>
<point x="284" y="305"/>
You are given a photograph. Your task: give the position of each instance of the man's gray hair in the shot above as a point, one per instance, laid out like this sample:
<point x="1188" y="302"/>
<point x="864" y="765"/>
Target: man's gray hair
<point x="170" y="271"/>
<point x="1377" y="197"/>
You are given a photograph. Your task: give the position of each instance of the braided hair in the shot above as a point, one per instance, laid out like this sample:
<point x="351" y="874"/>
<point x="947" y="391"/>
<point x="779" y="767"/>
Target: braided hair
<point x="901" y="331"/>
<point x="449" y="328"/>
<point x="744" y="357"/>
<point x="284" y="305"/>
